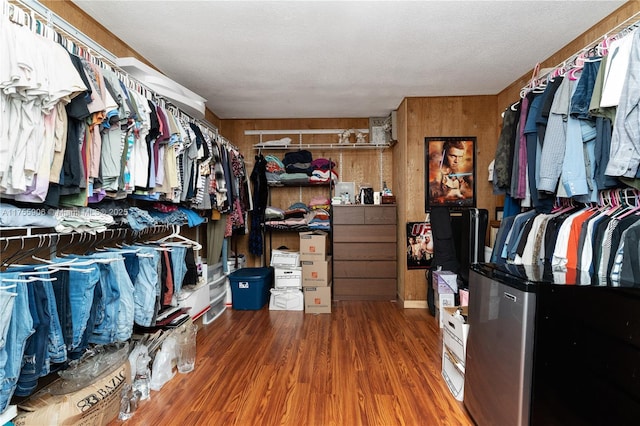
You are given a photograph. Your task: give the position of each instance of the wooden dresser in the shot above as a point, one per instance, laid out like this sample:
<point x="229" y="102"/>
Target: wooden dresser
<point x="364" y="252"/>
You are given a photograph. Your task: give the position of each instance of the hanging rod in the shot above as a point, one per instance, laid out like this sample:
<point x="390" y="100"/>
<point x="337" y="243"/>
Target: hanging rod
<point x="95" y="49"/>
<point x="64" y="26"/>
<point x="301" y="132"/>
<point x="629" y="23"/>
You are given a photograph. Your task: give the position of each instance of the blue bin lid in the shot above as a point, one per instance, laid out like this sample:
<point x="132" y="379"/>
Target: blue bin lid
<point x="245" y="273"/>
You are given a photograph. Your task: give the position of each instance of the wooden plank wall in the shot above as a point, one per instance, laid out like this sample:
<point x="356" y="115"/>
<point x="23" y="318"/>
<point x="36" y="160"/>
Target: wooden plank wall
<point x="439" y="116"/>
<point x="359" y="166"/>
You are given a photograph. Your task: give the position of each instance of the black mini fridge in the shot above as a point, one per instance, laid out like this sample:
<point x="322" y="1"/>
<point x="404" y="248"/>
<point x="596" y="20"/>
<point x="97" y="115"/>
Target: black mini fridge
<point x="549" y="348"/>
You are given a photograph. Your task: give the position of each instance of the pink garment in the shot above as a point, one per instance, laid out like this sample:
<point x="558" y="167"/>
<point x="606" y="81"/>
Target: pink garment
<point x="522" y="151"/>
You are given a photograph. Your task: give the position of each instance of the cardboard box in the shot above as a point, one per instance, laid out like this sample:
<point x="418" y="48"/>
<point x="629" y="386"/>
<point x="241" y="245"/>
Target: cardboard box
<point x="95" y="404"/>
<point x="455" y="332"/>
<point x="316" y="273"/>
<point x="317" y="300"/>
<point x="288" y="277"/>
<point x="443" y="279"/>
<point x="453" y="377"/>
<point x="314" y="245"/>
<point x="285" y="258"/>
<point x="443" y="300"/>
<point x="286" y="300"/>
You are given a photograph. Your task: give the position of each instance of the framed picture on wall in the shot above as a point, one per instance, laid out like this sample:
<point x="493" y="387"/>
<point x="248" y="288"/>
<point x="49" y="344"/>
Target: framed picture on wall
<point x="450" y="172"/>
<point x="419" y="244"/>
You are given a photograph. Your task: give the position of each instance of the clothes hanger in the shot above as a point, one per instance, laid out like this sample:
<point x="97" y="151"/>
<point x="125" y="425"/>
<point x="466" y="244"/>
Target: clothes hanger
<point x="176" y="235"/>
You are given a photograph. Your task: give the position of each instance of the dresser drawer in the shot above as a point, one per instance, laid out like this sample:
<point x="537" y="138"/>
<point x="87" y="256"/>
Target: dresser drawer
<point x="348" y="215"/>
<point x="364" y="269"/>
<point x="364" y="234"/>
<point x="364" y="251"/>
<point x="375" y="215"/>
<point x="364" y="289"/>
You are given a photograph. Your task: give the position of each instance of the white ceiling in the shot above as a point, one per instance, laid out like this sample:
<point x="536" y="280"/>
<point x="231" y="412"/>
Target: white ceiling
<point x="302" y="59"/>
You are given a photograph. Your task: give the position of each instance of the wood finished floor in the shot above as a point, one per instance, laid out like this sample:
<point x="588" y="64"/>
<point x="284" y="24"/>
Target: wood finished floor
<point x="366" y="363"/>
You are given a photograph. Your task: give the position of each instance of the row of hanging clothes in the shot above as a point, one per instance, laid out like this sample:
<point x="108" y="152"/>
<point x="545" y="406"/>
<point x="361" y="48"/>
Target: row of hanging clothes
<point x="596" y="244"/>
<point x="83" y="130"/>
<point x="574" y="131"/>
<point x="56" y="310"/>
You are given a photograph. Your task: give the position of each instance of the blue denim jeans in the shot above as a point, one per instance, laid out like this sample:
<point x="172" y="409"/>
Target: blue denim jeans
<point x="122" y="287"/>
<point x="145" y="286"/>
<point x="36" y="348"/>
<point x="20" y="328"/>
<point x="74" y="292"/>
<point x="7" y="300"/>
<point x="63" y="305"/>
<point x="56" y="348"/>
<point x="132" y="264"/>
<point x="179" y="267"/>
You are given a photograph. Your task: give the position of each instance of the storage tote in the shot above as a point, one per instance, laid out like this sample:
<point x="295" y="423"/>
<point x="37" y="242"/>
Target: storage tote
<point x="250" y="287"/>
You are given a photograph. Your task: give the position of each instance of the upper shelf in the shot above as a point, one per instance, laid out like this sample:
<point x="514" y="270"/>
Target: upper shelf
<point x="296" y="145"/>
<point x="330" y="146"/>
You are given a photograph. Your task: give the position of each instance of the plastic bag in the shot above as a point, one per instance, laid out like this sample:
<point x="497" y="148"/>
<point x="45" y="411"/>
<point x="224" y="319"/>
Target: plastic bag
<point x="133" y="357"/>
<point x="162" y="370"/>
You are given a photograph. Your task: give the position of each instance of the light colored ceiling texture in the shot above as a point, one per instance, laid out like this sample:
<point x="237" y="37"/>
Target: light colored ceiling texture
<point x="303" y="59"/>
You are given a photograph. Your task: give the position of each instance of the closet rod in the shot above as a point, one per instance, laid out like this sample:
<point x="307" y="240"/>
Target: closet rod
<point x="300" y="132"/>
<point x="69" y="31"/>
<point x="64" y="26"/>
<point x="629" y="23"/>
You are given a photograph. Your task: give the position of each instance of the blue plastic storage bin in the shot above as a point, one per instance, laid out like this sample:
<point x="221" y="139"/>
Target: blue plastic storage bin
<point x="250" y="287"/>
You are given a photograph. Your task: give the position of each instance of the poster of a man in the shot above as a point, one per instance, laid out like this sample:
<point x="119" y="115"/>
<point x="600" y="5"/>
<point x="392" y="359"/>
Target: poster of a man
<point x="450" y="172"/>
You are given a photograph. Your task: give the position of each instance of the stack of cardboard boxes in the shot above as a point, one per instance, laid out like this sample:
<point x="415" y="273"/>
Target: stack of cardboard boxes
<point x="453" y="321"/>
<point x="316" y="272"/>
<point x="286" y="294"/>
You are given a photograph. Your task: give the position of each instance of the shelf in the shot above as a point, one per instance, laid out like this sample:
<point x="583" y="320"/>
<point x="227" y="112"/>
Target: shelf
<point x="273" y="145"/>
<point x="327" y="147"/>
<point x="293" y="185"/>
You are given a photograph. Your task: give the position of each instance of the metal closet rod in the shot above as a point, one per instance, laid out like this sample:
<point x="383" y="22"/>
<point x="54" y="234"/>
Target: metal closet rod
<point x="64" y="26"/>
<point x="301" y="132"/>
<point x="94" y="49"/>
<point x="628" y="24"/>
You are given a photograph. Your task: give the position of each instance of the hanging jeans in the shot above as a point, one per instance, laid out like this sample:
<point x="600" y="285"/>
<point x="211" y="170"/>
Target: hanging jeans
<point x="179" y="267"/>
<point x="56" y="347"/>
<point x="144" y="294"/>
<point x="20" y="328"/>
<point x="36" y="348"/>
<point x="115" y="311"/>
<point x="8" y="294"/>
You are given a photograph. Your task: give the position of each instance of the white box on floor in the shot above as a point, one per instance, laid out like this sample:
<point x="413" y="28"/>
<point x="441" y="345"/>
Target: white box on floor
<point x="287" y="299"/>
<point x="285" y="258"/>
<point x="287" y="277"/>
<point x="443" y="300"/>
<point x="452" y="375"/>
<point x="455" y="332"/>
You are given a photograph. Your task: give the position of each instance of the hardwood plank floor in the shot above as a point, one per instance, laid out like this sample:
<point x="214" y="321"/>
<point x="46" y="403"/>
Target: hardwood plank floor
<point x="366" y="363"/>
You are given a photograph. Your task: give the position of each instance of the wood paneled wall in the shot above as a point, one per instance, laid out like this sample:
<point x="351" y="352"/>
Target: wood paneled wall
<point x="438" y="116"/>
<point x="359" y="166"/>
